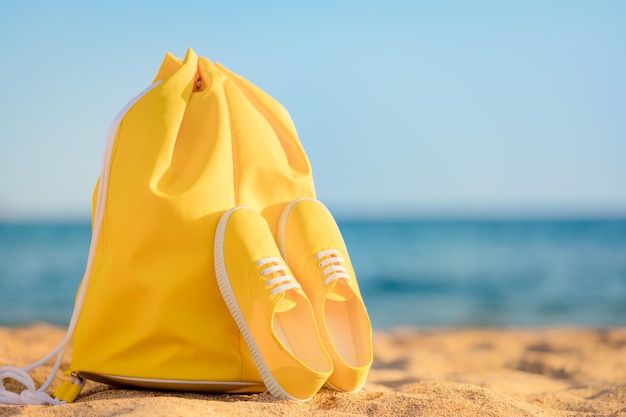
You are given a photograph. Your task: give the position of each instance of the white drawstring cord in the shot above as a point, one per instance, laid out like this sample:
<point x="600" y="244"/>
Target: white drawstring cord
<point x="31" y="395"/>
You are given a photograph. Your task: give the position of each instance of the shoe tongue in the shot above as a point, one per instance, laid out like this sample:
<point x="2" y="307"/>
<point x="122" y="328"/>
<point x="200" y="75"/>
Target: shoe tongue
<point x="341" y="291"/>
<point x="286" y="303"/>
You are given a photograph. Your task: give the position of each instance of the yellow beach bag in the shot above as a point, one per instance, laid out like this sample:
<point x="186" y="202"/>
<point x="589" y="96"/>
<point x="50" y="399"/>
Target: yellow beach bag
<point x="197" y="142"/>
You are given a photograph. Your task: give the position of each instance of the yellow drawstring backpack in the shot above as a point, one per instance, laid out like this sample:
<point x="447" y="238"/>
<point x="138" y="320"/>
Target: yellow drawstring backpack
<point x="198" y="141"/>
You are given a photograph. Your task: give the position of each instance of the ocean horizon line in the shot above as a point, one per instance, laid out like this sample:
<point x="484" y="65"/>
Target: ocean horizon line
<point x="387" y="211"/>
<point x="344" y="217"/>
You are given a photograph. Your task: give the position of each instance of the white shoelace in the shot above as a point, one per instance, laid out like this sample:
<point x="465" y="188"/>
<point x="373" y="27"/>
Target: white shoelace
<point x="287" y="282"/>
<point x="333" y="264"/>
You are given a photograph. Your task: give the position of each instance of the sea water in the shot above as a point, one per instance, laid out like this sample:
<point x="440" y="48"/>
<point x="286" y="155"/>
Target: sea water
<point x="411" y="273"/>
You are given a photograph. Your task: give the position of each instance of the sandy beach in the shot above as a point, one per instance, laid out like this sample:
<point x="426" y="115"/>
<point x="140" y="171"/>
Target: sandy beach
<point x="417" y="372"/>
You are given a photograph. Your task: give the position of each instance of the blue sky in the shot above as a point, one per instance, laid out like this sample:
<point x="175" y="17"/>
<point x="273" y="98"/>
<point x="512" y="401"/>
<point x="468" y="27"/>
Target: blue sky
<point x="404" y="108"/>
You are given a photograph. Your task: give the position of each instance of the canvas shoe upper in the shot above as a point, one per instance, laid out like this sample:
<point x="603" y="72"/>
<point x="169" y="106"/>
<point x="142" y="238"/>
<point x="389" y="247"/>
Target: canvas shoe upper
<point x="272" y="312"/>
<point x="312" y="245"/>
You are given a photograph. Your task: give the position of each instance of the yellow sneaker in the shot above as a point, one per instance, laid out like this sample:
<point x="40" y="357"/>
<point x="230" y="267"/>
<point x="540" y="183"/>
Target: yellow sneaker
<point x="271" y="310"/>
<point x="313" y="247"/>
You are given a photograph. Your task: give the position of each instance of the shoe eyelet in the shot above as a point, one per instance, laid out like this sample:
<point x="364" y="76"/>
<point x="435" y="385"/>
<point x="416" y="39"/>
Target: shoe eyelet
<point x="258" y="263"/>
<point x="319" y="264"/>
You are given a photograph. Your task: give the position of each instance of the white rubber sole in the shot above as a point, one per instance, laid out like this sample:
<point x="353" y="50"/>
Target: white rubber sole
<point x="223" y="281"/>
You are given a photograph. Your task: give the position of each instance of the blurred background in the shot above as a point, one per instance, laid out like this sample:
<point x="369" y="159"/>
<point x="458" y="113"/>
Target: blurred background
<point x="474" y="153"/>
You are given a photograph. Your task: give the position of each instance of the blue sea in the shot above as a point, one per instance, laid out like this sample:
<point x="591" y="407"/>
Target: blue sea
<point x="411" y="273"/>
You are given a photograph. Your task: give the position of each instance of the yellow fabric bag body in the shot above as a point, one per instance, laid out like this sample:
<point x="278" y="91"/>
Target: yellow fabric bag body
<point x="200" y="140"/>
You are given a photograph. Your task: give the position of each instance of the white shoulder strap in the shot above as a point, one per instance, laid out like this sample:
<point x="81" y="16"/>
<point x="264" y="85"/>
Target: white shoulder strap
<point x="31" y="395"/>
